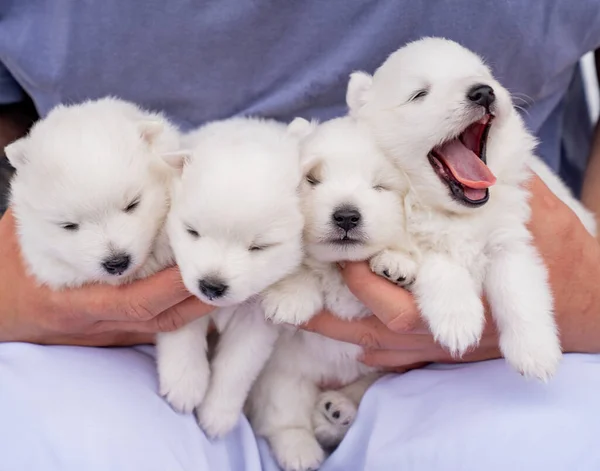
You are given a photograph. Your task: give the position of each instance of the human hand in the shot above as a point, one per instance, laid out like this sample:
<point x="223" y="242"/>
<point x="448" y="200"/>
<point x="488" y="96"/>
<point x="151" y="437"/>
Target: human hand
<point x="395" y="336"/>
<point x="95" y="315"/>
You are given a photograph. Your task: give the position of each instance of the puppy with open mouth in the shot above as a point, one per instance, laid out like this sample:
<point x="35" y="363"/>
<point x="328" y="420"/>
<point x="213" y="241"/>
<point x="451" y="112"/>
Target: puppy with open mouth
<point x="437" y="112"/>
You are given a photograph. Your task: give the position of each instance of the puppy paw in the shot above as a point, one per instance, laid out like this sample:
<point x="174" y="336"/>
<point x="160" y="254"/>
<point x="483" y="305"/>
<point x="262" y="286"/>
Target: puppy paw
<point x="184" y="385"/>
<point x="333" y="415"/>
<point x="534" y="354"/>
<point x="280" y="305"/>
<point x="397" y="267"/>
<point x="217" y="416"/>
<point x="297" y="450"/>
<point x="458" y="327"/>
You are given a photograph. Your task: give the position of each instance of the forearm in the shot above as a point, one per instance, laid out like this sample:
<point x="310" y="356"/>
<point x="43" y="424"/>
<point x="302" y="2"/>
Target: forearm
<point x="578" y="310"/>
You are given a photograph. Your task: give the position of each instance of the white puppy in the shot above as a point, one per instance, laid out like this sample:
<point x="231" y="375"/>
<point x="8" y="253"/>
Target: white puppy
<point x="90" y="194"/>
<point x="353" y="211"/>
<point x="450" y="127"/>
<point x="235" y="228"/>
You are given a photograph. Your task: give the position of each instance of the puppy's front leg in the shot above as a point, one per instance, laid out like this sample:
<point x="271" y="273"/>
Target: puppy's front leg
<point x="522" y="306"/>
<point x="183" y="369"/>
<point x="450" y="302"/>
<point x="243" y="349"/>
<point x="295" y="299"/>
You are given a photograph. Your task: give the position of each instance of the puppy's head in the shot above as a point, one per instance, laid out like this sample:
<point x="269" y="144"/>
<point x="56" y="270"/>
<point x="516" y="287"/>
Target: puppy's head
<point x="235" y="225"/>
<point x="351" y="194"/>
<point x="435" y="108"/>
<point x="91" y="191"/>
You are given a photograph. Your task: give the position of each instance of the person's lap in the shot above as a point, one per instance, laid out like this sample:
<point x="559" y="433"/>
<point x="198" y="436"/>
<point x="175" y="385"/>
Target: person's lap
<point x="68" y="408"/>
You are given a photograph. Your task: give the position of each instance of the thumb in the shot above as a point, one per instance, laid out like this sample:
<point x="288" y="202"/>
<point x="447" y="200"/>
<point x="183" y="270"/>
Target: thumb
<point x="394" y="306"/>
<point x="140" y="300"/>
<point x="173" y="318"/>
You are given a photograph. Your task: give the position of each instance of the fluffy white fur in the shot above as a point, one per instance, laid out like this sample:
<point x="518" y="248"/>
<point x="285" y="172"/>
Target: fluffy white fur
<point x="465" y="250"/>
<point x="343" y="169"/>
<point x="90" y="186"/>
<point x="235" y="221"/>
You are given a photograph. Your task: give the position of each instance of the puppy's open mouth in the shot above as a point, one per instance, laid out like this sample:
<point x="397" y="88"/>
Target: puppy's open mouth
<point x="461" y="164"/>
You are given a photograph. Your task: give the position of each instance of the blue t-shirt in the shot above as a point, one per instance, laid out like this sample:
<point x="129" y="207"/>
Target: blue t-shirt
<point x="203" y="60"/>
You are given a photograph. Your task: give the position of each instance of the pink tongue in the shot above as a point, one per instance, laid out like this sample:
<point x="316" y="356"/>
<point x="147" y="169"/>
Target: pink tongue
<point x="465" y="166"/>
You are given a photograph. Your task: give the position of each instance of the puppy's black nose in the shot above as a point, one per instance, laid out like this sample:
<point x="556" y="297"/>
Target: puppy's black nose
<point x="482" y="95"/>
<point x="346" y="217"/>
<point x="116" y="264"/>
<point x="212" y="287"/>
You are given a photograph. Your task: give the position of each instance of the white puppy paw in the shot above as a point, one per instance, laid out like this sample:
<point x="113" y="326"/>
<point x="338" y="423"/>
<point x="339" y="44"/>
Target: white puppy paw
<point x="297" y="450"/>
<point x="397" y="267"/>
<point x="534" y="354"/>
<point x="282" y="305"/>
<point x="333" y="415"/>
<point x="458" y="326"/>
<point x="217" y="416"/>
<point x="184" y="385"/>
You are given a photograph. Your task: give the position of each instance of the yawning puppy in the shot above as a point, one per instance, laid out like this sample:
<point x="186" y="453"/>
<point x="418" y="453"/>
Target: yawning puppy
<point x="90" y="194"/>
<point x="352" y="203"/>
<point x="450" y="127"/>
<point x="236" y="228"/>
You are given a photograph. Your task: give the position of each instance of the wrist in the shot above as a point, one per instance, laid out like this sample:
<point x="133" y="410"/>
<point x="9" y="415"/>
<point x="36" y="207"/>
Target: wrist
<point x="578" y="305"/>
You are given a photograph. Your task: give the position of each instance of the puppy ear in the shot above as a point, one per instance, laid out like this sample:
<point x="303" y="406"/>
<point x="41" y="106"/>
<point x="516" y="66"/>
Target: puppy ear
<point x="15" y="152"/>
<point x="301" y="128"/>
<point x="177" y="160"/>
<point x="358" y="88"/>
<point x="150" y="130"/>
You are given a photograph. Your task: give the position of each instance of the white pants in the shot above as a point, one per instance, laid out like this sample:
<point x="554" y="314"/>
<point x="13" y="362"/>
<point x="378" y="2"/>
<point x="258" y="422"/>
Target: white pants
<point x="92" y="409"/>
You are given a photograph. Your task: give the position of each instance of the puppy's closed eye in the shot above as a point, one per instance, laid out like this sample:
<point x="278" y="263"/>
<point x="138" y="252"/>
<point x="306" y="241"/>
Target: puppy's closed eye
<point x="131" y="206"/>
<point x="193" y="232"/>
<point x="419" y="95"/>
<point x="69" y="226"/>
<point x="312" y="180"/>
<point x="259" y="247"/>
<point x="381" y="188"/>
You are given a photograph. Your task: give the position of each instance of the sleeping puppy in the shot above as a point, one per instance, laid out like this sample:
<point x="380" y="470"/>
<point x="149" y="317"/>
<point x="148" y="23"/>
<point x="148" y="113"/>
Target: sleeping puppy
<point x="353" y="209"/>
<point x="438" y="114"/>
<point x="235" y="227"/>
<point x="91" y="193"/>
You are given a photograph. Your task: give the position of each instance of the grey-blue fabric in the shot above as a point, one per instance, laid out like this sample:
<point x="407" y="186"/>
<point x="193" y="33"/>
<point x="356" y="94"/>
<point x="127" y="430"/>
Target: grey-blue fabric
<point x="204" y="60"/>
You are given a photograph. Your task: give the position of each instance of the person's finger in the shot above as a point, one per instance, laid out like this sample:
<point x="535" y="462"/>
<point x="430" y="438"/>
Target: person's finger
<point x="541" y="195"/>
<point x="406" y="368"/>
<point x="172" y="319"/>
<point x="104" y="339"/>
<point x="551" y="218"/>
<point x="398" y="360"/>
<point x="432" y="353"/>
<point x="141" y="300"/>
<point x="487" y="350"/>
<point x="369" y="333"/>
<point x="394" y="306"/>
